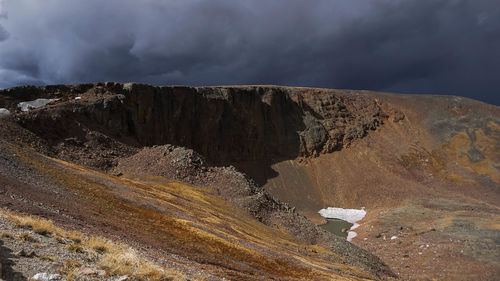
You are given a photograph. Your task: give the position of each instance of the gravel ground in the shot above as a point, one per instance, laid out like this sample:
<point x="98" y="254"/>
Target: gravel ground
<point x="24" y="253"/>
<point x="36" y="254"/>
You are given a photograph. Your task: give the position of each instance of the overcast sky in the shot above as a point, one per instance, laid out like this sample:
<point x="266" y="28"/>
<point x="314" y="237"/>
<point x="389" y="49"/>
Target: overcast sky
<point x="410" y="46"/>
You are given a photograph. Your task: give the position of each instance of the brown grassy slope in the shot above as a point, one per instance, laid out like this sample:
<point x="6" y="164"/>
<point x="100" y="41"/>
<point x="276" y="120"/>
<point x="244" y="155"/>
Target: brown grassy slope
<point x="45" y="247"/>
<point x="180" y="223"/>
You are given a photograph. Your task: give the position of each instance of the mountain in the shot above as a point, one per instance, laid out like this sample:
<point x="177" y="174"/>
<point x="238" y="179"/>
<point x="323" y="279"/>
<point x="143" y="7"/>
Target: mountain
<point x="227" y="182"/>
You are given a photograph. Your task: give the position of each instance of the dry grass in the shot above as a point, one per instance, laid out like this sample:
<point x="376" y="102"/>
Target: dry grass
<point x="70" y="269"/>
<point x="115" y="258"/>
<point x="126" y="261"/>
<point x="26" y="237"/>
<point x="99" y="244"/>
<point x="42" y="232"/>
<point x="419" y="157"/>
<point x="457" y="148"/>
<point x="75" y="248"/>
<point x="60" y="239"/>
<point x="30" y="222"/>
<point x="6" y="235"/>
<point x="23" y="253"/>
<point x="72" y="264"/>
<point x="47" y="258"/>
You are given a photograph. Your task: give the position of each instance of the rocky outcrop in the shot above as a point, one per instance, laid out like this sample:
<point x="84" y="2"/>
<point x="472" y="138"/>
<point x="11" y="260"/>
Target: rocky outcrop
<point x="224" y="124"/>
<point x="249" y="123"/>
<point x="178" y="163"/>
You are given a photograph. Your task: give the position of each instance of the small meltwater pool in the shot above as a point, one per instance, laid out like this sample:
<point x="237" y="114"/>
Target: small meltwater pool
<point x="338" y="227"/>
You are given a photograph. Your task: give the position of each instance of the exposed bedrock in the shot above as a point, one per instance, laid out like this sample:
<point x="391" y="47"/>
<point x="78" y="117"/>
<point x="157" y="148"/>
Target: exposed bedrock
<point x="238" y="124"/>
<point x="225" y="124"/>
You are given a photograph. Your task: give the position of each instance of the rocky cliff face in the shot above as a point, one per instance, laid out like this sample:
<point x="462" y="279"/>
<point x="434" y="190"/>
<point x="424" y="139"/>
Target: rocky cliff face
<point x="223" y="124"/>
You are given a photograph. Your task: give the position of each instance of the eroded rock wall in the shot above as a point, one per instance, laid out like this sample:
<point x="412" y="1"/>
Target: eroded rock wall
<point x="225" y="124"/>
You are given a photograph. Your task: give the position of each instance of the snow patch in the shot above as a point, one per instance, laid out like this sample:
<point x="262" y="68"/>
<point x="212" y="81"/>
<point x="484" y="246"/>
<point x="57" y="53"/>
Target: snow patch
<point x="350" y="235"/>
<point x="27" y="105"/>
<point x="4" y="111"/>
<point x="348" y="215"/>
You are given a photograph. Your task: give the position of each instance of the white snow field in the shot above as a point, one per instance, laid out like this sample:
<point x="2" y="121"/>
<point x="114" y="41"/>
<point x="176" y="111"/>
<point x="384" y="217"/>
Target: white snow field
<point x="27" y="105"/>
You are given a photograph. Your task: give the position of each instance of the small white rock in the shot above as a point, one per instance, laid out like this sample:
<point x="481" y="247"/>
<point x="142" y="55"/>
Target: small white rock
<point x="78" y="98"/>
<point x="394" y="237"/>
<point x="123" y="278"/>
<point x="4" y="111"/>
<point x="44" y="276"/>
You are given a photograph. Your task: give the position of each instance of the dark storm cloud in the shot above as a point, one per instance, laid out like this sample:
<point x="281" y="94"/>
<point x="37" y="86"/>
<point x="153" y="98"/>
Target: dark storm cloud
<point x="3" y="33"/>
<point x="440" y="46"/>
<point x="3" y="15"/>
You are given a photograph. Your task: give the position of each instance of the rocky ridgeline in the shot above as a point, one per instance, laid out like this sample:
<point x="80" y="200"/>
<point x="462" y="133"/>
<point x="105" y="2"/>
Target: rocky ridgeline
<point x="224" y="124"/>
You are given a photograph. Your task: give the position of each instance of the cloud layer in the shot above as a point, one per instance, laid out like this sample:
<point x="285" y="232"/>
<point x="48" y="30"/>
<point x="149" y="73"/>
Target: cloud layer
<point x="440" y="46"/>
